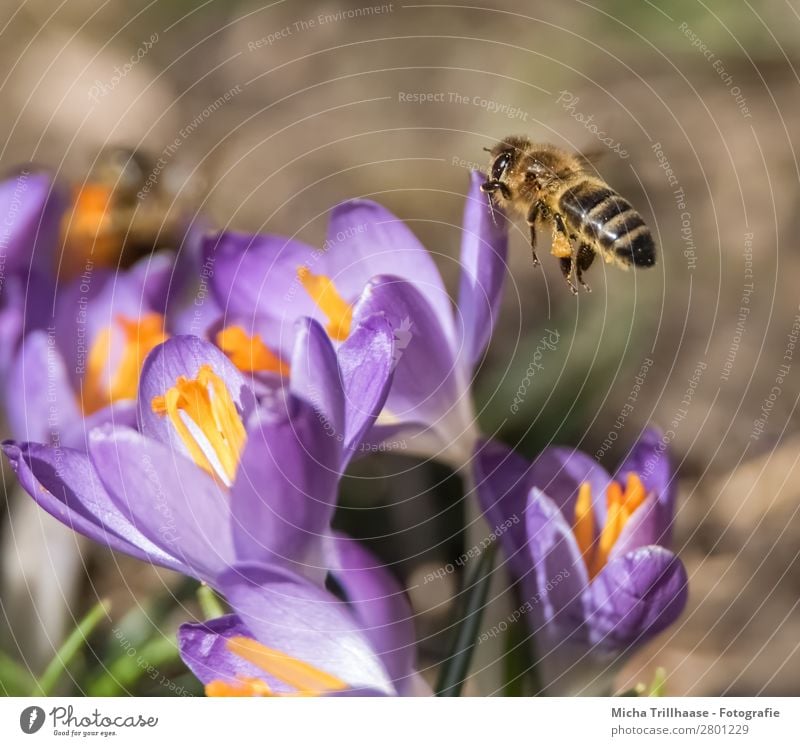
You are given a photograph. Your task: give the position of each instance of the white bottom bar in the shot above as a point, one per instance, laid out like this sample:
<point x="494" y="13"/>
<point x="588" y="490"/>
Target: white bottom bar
<point x="354" y="721"/>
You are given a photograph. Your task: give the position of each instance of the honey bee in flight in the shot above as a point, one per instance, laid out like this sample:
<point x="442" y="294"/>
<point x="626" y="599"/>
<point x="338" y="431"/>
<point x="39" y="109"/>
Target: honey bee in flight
<point x="548" y="185"/>
<point x="109" y="223"/>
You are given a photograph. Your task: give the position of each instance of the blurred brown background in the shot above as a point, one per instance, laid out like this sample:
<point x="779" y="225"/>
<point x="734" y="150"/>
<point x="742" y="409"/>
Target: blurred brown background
<point x="315" y="110"/>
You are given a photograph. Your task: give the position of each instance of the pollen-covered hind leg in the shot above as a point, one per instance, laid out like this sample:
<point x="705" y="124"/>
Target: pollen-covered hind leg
<point x="566" y="270"/>
<point x="582" y="262"/>
<point x="562" y="246"/>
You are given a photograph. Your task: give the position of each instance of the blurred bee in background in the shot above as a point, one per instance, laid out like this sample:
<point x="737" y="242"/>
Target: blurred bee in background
<point x="548" y="185"/>
<point x="120" y="214"/>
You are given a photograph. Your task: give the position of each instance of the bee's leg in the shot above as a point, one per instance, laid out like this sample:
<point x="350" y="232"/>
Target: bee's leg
<point x="582" y="262"/>
<point x="566" y="270"/>
<point x="533" y="215"/>
<point x="562" y="246"/>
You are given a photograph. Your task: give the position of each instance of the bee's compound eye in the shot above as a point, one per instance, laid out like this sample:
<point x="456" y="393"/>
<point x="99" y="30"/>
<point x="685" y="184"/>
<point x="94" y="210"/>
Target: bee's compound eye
<point x="501" y="164"/>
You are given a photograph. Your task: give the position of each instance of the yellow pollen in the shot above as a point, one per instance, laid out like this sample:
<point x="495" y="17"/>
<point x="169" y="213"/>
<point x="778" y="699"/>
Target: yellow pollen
<point x="620" y="506"/>
<point x="323" y="292"/>
<point x="140" y="336"/>
<point x="306" y="679"/>
<point x="206" y="401"/>
<point x="249" y="354"/>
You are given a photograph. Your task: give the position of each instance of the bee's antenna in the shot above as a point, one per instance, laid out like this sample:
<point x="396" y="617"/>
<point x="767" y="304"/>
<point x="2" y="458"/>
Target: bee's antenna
<point x="488" y="150"/>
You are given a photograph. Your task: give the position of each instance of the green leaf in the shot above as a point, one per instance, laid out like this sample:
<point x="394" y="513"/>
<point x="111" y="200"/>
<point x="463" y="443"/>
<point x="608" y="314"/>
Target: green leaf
<point x="69" y="649"/>
<point x="15" y="679"/>
<point x="455" y="668"/>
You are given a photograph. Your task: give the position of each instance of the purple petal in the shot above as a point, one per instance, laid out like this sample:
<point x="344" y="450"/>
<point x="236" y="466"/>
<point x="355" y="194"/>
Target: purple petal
<point x="484" y="246"/>
<point x="315" y="377"/>
<point x="283" y="499"/>
<point x="76" y="434"/>
<point x="257" y="275"/>
<point x="366" y="361"/>
<point x="154" y="276"/>
<point x="366" y="240"/>
<point x="426" y="383"/>
<point x="650" y="461"/>
<point x="559" y="473"/>
<point x="635" y="597"/>
<point x="288" y="613"/>
<point x="558" y="566"/>
<point x="40" y="400"/>
<point x="172" y="501"/>
<point x="640" y="530"/>
<point x="380" y="607"/>
<point x="65" y="483"/>
<point x="184" y="356"/>
<point x="501" y="479"/>
<point x="23" y="199"/>
<point x="203" y="647"/>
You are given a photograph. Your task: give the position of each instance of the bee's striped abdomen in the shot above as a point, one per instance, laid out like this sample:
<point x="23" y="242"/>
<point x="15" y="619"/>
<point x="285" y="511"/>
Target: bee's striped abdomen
<point x="608" y="220"/>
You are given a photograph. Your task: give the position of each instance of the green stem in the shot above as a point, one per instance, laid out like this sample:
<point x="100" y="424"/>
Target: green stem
<point x="455" y="668"/>
<point x="69" y="649"/>
<point x="209" y="602"/>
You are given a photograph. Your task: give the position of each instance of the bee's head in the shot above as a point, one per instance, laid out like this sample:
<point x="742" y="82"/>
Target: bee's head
<point x="504" y="157"/>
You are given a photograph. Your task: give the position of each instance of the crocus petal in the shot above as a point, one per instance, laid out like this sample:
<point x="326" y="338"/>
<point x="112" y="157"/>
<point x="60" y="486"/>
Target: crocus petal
<point x="257" y="275"/>
<point x="380" y="607"/>
<point x="315" y="376"/>
<point x="40" y="400"/>
<point x="184" y="356"/>
<point x="426" y="385"/>
<point x="366" y="362"/>
<point x="501" y="479"/>
<point x="559" y="472"/>
<point x="366" y="240"/>
<point x="558" y="565"/>
<point x="650" y="461"/>
<point x="76" y="434"/>
<point x="65" y="483"/>
<point x="23" y="199"/>
<point x="635" y="597"/>
<point x="288" y="613"/>
<point x="203" y="648"/>
<point x="154" y="274"/>
<point x="484" y="246"/>
<point x="641" y="529"/>
<point x="283" y="499"/>
<point x="172" y="501"/>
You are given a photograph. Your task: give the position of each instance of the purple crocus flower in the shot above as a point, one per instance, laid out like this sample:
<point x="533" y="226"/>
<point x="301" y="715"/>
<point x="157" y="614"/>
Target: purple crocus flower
<point x="212" y="477"/>
<point x="371" y="263"/>
<point x="82" y="368"/>
<point x="289" y="636"/>
<point x="590" y="551"/>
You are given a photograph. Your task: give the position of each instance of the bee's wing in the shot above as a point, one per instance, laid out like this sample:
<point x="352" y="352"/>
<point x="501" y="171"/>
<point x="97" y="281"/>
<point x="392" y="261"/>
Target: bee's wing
<point x="591" y="158"/>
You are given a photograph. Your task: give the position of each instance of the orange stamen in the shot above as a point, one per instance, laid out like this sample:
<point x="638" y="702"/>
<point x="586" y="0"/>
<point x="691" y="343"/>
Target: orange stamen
<point x="206" y="401"/>
<point x="323" y="292"/>
<point x="247" y="687"/>
<point x="140" y="336"/>
<point x="620" y="506"/>
<point x="583" y="526"/>
<point x="249" y="354"/>
<point x="305" y="678"/>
